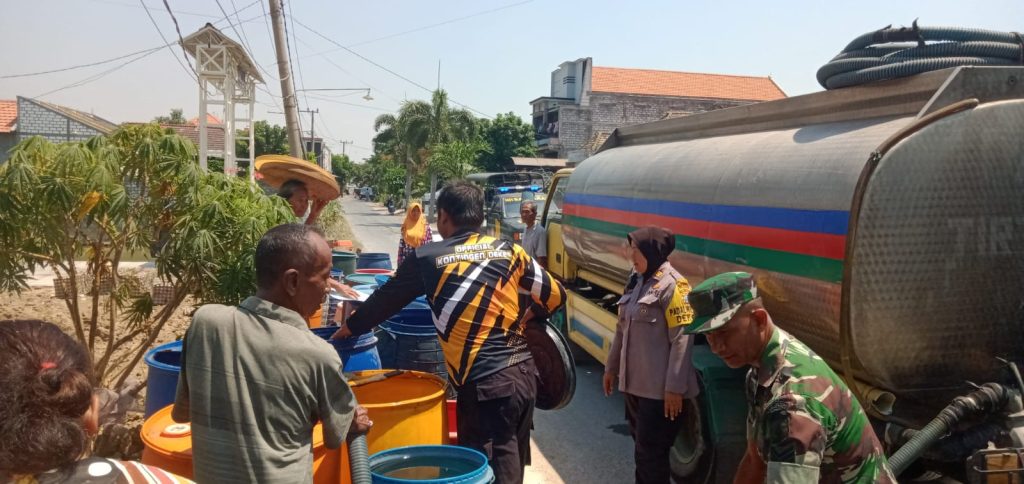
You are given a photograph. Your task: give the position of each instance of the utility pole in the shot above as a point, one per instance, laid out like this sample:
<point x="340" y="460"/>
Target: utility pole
<point x="312" y="112"/>
<point x="291" y="108"/>
<point x="343" y="144"/>
<point x="312" y="132"/>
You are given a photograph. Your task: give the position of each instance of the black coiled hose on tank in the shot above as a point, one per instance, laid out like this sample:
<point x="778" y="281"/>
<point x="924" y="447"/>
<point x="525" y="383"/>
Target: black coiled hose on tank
<point x="359" y="460"/>
<point x="991" y="397"/>
<point x="891" y="53"/>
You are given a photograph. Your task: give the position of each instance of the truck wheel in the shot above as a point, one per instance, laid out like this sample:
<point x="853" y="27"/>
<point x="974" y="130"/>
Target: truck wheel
<point x="690" y="458"/>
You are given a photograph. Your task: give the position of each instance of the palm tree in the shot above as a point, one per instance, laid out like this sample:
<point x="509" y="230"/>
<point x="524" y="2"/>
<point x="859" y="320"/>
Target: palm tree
<point x="419" y="126"/>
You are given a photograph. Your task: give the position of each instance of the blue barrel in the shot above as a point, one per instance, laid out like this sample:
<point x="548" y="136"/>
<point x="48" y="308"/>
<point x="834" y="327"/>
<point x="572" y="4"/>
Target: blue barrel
<point x="357" y="353"/>
<point x="431" y="464"/>
<point x="164" y="363"/>
<point x="374" y="260"/>
<point x="411" y="347"/>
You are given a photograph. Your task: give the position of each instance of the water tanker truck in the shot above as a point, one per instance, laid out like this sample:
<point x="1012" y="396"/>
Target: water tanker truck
<point x="884" y="225"/>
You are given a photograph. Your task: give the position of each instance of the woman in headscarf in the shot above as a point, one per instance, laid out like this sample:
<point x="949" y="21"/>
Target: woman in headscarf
<point x="415" y="231"/>
<point x="297" y="195"/>
<point x="650" y="355"/>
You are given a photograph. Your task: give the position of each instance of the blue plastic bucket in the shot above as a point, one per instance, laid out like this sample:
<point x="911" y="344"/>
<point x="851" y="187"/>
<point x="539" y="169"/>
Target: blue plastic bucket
<point x="164" y="363"/>
<point x="357" y="353"/>
<point x="360" y="280"/>
<point x="433" y="464"/>
<point x="374" y="260"/>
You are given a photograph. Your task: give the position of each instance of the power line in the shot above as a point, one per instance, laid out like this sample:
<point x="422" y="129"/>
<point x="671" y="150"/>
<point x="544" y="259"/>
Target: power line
<point x="420" y="29"/>
<point x="335" y="101"/>
<point x="406" y="79"/>
<point x="181" y="40"/>
<point x="266" y="22"/>
<point x="342" y="69"/>
<point x="124" y="56"/>
<point x="145" y="53"/>
<point x="298" y="60"/>
<point x="288" y="47"/>
<point x="180" y="12"/>
<point x="155" y="25"/>
<point x="91" y="64"/>
<point x="98" y="76"/>
<point x="241" y="35"/>
<point x="444" y="22"/>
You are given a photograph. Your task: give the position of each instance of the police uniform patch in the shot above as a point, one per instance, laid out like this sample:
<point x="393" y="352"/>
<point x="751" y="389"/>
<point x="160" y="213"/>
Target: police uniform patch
<point x="679" y="312"/>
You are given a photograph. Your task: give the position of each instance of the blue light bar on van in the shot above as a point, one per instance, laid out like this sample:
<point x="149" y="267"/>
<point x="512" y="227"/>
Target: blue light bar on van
<point x="503" y="189"/>
<point x="535" y="188"/>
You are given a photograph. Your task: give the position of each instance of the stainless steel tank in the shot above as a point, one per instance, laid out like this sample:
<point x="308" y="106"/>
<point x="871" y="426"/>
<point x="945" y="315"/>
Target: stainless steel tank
<point x="884" y="222"/>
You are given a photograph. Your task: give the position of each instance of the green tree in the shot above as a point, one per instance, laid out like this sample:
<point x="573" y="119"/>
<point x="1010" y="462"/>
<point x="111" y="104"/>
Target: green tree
<point x="508" y="136"/>
<point x="342" y="168"/>
<point x="176" y="117"/>
<point x="271" y="139"/>
<point x="456" y="159"/>
<point x="139" y="189"/>
<point x="418" y="127"/>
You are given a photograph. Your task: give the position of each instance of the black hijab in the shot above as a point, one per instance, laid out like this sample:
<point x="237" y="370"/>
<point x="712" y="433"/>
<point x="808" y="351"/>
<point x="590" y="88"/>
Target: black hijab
<point x="655" y="243"/>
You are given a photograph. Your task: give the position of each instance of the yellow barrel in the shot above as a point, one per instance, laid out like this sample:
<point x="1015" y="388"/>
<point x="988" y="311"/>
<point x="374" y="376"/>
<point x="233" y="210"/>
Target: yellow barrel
<point x="314" y="320"/>
<point x="407" y="409"/>
<point x="168" y="445"/>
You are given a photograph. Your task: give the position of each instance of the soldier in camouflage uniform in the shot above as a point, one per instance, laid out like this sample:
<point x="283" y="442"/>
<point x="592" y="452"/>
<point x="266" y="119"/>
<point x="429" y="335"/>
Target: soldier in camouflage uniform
<point x="804" y="425"/>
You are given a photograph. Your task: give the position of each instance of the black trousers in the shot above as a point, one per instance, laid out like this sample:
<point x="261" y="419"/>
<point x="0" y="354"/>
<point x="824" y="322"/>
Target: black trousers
<point x="653" y="436"/>
<point x="495" y="415"/>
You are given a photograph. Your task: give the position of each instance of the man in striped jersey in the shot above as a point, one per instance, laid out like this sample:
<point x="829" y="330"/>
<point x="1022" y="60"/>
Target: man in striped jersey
<point x="472" y="283"/>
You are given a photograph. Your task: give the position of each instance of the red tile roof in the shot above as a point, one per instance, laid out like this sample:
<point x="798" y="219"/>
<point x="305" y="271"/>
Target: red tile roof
<point x="684" y="84"/>
<point x="214" y="135"/>
<point x="8" y="115"/>
<point x="210" y="120"/>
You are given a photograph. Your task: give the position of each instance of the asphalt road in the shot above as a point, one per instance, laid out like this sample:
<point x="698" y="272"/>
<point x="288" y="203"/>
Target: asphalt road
<point x="587" y="441"/>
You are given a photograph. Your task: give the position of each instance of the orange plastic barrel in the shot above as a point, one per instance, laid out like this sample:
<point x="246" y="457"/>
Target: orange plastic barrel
<point x="168" y="445"/>
<point x="314" y="320"/>
<point x="408" y="409"/>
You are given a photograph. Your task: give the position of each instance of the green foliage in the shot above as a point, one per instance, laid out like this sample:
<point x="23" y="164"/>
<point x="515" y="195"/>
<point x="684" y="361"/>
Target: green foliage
<point x="137" y="190"/>
<point x="270" y="140"/>
<point x="176" y="117"/>
<point x="343" y="169"/>
<point x="418" y="126"/>
<point x="456" y="159"/>
<point x="508" y="136"/>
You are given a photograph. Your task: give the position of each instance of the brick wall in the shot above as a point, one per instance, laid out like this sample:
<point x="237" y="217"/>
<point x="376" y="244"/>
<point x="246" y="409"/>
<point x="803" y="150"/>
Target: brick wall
<point x="35" y="120"/>
<point x="612" y="111"/>
<point x="603" y="112"/>
<point x="574" y="128"/>
<point x="7" y="141"/>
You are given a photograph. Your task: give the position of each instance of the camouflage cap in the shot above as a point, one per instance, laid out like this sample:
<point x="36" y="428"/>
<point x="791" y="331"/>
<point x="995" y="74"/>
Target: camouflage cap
<point x="716" y="300"/>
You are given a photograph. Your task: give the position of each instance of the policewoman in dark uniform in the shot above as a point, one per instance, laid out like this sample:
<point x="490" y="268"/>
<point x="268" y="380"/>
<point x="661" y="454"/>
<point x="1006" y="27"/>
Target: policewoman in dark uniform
<point x="650" y="355"/>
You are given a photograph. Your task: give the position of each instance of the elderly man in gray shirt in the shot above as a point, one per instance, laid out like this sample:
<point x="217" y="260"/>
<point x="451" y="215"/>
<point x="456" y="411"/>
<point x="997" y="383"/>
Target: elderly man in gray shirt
<point x="254" y="380"/>
<point x="535" y="238"/>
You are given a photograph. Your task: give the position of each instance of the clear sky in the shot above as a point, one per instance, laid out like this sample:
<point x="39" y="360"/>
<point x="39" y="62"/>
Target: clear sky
<point x="495" y="56"/>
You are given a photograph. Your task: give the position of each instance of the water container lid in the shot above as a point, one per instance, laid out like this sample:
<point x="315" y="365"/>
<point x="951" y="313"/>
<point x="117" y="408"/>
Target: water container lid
<point x="176" y="430"/>
<point x="551" y="354"/>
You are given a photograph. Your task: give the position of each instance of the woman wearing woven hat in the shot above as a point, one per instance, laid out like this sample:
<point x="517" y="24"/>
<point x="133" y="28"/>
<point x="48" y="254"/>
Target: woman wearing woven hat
<point x="650" y="355"/>
<point x="415" y="231"/>
<point x="297" y="195"/>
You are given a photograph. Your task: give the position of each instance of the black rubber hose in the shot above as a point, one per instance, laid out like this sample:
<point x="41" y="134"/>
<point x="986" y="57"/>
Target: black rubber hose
<point x="894" y="53"/>
<point x="359" y="460"/>
<point x="991" y="397"/>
